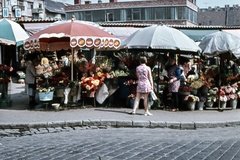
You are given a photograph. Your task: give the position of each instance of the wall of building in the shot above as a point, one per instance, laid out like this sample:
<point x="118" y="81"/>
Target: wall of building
<point x="228" y="15"/>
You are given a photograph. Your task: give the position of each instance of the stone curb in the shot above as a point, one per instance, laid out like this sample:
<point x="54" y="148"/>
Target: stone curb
<point x="47" y="127"/>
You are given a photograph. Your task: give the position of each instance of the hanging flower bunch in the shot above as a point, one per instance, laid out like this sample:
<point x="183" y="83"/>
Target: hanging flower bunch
<point x="191" y="98"/>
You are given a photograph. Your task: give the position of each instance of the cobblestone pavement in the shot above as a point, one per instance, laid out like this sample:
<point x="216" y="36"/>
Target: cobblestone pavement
<point x="124" y="144"/>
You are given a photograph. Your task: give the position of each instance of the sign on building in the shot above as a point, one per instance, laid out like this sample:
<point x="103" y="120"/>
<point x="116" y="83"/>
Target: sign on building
<point x="18" y="13"/>
<point x="5" y="12"/>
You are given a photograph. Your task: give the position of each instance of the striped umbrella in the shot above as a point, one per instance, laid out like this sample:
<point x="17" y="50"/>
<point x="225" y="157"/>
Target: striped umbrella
<point x="11" y="33"/>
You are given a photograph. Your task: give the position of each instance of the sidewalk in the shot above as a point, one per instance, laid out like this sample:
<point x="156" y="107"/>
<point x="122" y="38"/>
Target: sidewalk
<point x="18" y="116"/>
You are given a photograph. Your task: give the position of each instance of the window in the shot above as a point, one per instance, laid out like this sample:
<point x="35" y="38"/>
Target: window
<point x="180" y="13"/>
<point x="98" y="16"/>
<point x="30" y="6"/>
<point x="159" y="13"/>
<point x="87" y="16"/>
<point x="136" y="14"/>
<point x="129" y="14"/>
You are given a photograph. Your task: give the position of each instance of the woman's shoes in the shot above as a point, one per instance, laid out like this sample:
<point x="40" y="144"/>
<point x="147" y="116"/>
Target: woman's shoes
<point x="148" y="114"/>
<point x="132" y="112"/>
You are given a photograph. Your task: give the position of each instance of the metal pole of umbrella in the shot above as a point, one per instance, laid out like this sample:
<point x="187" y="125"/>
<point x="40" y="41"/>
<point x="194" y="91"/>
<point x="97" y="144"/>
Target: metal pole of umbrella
<point x="72" y="64"/>
<point x="219" y="81"/>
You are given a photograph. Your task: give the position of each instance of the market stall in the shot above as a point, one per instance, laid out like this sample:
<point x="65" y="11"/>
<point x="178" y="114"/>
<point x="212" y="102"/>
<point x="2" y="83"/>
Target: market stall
<point x="82" y="39"/>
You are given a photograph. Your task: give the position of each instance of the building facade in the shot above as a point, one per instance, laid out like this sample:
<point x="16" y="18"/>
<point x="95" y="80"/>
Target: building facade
<point x="219" y="16"/>
<point x="33" y="9"/>
<point x="181" y="12"/>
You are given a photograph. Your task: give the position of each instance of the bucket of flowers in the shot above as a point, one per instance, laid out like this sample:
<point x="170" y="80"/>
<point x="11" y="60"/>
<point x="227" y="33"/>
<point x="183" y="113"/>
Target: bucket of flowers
<point x="211" y="97"/>
<point x="185" y="90"/>
<point x="200" y="103"/>
<point x="190" y="102"/>
<point x="45" y="93"/>
<point x="223" y="97"/>
<point x="232" y="96"/>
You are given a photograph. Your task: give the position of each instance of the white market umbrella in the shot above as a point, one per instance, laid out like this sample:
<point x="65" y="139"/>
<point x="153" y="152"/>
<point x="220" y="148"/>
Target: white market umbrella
<point x="161" y="37"/>
<point x="11" y="33"/>
<point x="222" y="44"/>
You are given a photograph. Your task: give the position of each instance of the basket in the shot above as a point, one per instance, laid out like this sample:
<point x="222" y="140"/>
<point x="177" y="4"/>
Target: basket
<point x="45" y="96"/>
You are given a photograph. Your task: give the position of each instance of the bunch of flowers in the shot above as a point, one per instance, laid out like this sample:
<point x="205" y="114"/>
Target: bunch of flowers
<point x="223" y="98"/>
<point x="91" y="83"/>
<point x="196" y="84"/>
<point x="191" y="98"/>
<point x="4" y="80"/>
<point x="119" y="73"/>
<point x="207" y="82"/>
<point x="213" y="91"/>
<point x="222" y="93"/>
<point x="59" y="80"/>
<point x="130" y="82"/>
<point x="185" y="88"/>
<point x="105" y="73"/>
<point x="202" y="99"/>
<point x="211" y="98"/>
<point x="45" y="88"/>
<point x="230" y="91"/>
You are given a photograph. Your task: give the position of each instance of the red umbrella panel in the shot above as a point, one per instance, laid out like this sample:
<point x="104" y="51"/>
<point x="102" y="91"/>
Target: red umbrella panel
<point x="70" y="34"/>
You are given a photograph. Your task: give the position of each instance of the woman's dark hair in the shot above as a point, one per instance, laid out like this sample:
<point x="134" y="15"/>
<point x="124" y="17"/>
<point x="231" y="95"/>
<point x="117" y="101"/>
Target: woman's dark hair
<point x="143" y="59"/>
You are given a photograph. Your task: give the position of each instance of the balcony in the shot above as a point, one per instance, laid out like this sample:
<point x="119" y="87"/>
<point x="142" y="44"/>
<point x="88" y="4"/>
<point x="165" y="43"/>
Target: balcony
<point x="37" y="10"/>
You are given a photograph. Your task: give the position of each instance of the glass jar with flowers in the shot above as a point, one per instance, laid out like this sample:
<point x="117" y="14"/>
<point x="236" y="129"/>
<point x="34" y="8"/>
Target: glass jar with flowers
<point x="190" y="102"/>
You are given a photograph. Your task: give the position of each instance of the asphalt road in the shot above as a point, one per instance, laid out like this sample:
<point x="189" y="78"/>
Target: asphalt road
<point x="125" y="143"/>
